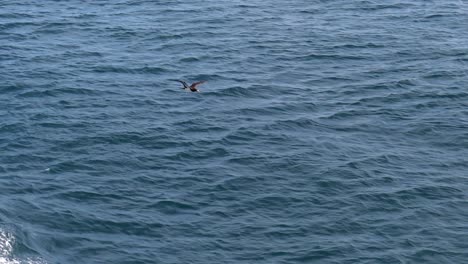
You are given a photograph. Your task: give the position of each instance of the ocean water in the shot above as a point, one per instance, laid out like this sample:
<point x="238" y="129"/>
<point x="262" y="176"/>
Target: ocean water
<point x="327" y="131"/>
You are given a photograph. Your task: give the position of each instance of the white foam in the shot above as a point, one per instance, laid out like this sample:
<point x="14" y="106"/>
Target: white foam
<point x="6" y="246"/>
<point x="7" y="240"/>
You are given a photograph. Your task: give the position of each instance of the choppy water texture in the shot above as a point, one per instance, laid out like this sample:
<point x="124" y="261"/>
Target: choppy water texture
<point x="328" y="132"/>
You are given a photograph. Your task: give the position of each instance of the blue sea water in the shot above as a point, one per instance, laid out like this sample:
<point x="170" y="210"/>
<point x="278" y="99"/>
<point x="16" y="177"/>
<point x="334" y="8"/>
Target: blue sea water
<point x="327" y="132"/>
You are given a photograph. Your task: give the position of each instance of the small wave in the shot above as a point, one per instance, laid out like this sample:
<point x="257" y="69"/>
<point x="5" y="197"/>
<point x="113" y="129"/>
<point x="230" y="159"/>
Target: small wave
<point x="238" y="91"/>
<point x="431" y="193"/>
<point x="53" y="28"/>
<point x="247" y="161"/>
<point x="275" y="201"/>
<point x="137" y="3"/>
<point x="151" y="70"/>
<point x="377" y="7"/>
<point x="357" y="46"/>
<point x="329" y="56"/>
<point x="16" y="25"/>
<point x="84" y="53"/>
<point x="57" y="92"/>
<point x="16" y="15"/>
<point x="89" y="197"/>
<point x="241" y="136"/>
<point x="168" y="37"/>
<point x="246" y="6"/>
<point x="111" y="69"/>
<point x="232" y="184"/>
<point x="189" y="59"/>
<point x="433" y="16"/>
<point x="258" y="111"/>
<point x="171" y="207"/>
<point x="11" y="128"/>
<point x="378" y="101"/>
<point x="70" y="166"/>
<point x="442" y="74"/>
<point x="300" y="123"/>
<point x="122" y="34"/>
<point x="346" y="115"/>
<point x="117" y="69"/>
<point x="311" y="11"/>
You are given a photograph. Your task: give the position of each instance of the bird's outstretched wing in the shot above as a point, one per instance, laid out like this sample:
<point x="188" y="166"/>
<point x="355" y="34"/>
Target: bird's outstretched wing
<point x="194" y="85"/>
<point x="183" y="83"/>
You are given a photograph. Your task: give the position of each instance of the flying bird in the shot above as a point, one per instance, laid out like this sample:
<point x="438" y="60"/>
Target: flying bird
<point x="192" y="87"/>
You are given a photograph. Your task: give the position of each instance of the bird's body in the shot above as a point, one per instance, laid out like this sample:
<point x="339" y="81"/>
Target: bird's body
<point x="192" y="87"/>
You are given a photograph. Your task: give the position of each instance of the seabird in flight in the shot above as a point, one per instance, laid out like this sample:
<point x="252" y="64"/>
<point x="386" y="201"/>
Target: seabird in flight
<point x="192" y="87"/>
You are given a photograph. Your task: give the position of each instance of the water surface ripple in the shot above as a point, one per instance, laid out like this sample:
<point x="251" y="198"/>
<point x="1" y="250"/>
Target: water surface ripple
<point x="328" y="131"/>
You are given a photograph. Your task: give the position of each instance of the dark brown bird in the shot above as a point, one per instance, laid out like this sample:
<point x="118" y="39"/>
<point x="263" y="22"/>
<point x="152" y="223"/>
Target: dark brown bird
<point x="192" y="87"/>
